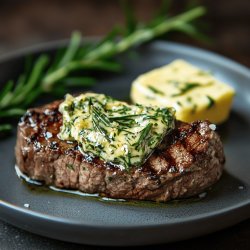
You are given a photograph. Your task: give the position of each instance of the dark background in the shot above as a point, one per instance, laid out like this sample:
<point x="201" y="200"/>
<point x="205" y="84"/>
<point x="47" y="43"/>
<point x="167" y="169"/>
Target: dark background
<point x="27" y="22"/>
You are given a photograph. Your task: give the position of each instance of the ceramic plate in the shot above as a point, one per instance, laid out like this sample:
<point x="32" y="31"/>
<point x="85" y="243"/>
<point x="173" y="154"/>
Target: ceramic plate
<point x="100" y="222"/>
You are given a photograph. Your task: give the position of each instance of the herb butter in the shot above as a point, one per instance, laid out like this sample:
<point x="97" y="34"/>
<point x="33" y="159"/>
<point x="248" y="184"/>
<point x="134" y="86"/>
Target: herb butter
<point x="114" y="131"/>
<point x="195" y="94"/>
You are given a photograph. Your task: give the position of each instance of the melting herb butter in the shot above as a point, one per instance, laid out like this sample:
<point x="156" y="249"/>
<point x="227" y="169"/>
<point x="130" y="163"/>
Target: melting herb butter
<point x="116" y="132"/>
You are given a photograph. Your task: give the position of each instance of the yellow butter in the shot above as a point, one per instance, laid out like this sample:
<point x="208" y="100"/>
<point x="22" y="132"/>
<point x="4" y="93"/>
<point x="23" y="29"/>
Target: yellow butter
<point x="112" y="130"/>
<point x="195" y="94"/>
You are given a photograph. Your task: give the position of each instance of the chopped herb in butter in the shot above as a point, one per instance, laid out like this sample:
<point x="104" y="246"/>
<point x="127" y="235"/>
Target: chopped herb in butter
<point x="116" y="132"/>
<point x="195" y="94"/>
<point x="211" y="102"/>
<point x="155" y="90"/>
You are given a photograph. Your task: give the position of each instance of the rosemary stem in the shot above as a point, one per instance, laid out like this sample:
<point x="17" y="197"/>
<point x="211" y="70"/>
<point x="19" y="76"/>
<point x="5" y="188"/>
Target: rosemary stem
<point x="144" y="35"/>
<point x="11" y="112"/>
<point x="49" y="80"/>
<point x="92" y="59"/>
<point x="33" y="80"/>
<point x="5" y="127"/>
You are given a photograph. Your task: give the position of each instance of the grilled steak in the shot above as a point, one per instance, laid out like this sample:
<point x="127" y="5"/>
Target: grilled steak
<point x="189" y="160"/>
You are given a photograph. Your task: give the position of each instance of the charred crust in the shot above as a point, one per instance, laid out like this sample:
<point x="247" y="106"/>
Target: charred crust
<point x="189" y="159"/>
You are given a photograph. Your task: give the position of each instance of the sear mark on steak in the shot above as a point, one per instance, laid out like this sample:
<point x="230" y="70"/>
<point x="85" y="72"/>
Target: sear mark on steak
<point x="188" y="161"/>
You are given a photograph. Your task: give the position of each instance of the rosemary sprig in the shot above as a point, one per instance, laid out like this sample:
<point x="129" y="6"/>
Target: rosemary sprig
<point x="100" y="120"/>
<point x="101" y="117"/>
<point x="5" y="128"/>
<point x="54" y="74"/>
<point x="143" y="136"/>
<point x="126" y="117"/>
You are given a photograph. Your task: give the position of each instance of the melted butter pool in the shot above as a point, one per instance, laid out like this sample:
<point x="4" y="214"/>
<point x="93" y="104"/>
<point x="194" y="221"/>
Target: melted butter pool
<point x="38" y="188"/>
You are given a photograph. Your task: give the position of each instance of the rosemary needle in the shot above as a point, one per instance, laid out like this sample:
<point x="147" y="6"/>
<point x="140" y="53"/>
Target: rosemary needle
<point x="53" y="74"/>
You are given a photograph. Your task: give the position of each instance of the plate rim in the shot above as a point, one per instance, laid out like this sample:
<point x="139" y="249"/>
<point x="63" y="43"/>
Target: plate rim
<point x="218" y="58"/>
<point x="195" y="52"/>
<point x="57" y="219"/>
<point x="62" y="42"/>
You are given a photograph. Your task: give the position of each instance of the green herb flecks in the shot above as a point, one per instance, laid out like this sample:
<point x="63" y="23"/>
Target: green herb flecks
<point x="110" y="178"/>
<point x="105" y="128"/>
<point x="194" y="108"/>
<point x="143" y="136"/>
<point x="155" y="90"/>
<point x="211" y="102"/>
<point x="100" y="122"/>
<point x="179" y="103"/>
<point x="77" y="63"/>
<point x="100" y="116"/>
<point x="70" y="166"/>
<point x="187" y="87"/>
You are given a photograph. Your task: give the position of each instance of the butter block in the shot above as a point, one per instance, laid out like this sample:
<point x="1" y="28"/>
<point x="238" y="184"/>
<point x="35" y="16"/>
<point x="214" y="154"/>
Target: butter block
<point x="194" y="93"/>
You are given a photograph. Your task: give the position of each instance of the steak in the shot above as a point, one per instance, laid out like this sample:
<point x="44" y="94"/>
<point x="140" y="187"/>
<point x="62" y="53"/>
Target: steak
<point x="188" y="161"/>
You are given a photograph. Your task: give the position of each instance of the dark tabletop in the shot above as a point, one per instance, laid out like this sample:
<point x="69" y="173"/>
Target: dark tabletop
<point x="236" y="237"/>
<point x="29" y="22"/>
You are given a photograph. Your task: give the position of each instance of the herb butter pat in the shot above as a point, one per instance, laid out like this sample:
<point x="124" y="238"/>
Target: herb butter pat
<point x="114" y="131"/>
<point x="195" y="94"/>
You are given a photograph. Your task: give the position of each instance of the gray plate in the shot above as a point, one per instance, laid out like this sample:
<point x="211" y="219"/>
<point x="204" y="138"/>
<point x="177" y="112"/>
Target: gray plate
<point x="94" y="221"/>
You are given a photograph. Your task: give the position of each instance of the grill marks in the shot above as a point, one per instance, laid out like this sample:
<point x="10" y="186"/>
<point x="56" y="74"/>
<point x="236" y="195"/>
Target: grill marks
<point x="188" y="160"/>
<point x="42" y="126"/>
<point x="184" y="144"/>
